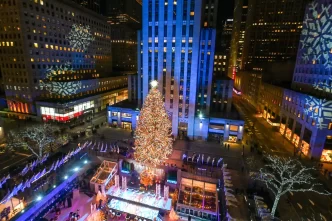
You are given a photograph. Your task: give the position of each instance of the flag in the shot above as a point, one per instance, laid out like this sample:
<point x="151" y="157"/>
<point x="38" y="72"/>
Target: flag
<point x="56" y="164"/>
<point x="208" y="159"/>
<point x="193" y="157"/>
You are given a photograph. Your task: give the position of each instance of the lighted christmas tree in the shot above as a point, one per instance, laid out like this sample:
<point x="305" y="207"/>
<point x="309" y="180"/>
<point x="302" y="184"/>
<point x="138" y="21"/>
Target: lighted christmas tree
<point x="153" y="141"/>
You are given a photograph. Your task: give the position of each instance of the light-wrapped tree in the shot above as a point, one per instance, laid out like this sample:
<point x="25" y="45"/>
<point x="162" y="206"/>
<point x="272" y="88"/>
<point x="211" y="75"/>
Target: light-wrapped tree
<point x="35" y="138"/>
<point x="284" y="175"/>
<point x="153" y="141"/>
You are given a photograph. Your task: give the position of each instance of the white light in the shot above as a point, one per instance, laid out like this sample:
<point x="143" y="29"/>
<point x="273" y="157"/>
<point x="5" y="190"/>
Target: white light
<point x="39" y="198"/>
<point x="154" y="83"/>
<point x="66" y="177"/>
<point x="200" y="116"/>
<point x="54" y="186"/>
<point x="22" y="211"/>
<point x="85" y="161"/>
<point x="76" y="169"/>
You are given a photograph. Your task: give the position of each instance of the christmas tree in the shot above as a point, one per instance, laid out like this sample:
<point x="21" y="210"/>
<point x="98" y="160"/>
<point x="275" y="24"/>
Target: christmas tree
<point x="153" y="141"/>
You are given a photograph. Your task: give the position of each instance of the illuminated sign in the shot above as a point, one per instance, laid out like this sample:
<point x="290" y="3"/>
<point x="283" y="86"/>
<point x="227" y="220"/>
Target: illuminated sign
<point x="236" y="91"/>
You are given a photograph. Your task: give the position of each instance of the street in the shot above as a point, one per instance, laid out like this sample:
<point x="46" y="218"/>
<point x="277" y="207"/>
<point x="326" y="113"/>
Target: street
<point x="301" y="205"/>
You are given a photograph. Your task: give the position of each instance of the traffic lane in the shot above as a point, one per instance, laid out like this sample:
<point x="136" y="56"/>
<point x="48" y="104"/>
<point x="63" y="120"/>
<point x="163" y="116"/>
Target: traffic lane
<point x="306" y="204"/>
<point x="309" y="204"/>
<point x="263" y="134"/>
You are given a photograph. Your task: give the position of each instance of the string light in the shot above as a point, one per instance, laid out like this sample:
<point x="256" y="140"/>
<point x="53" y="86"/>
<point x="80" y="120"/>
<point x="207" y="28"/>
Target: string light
<point x="153" y="141"/>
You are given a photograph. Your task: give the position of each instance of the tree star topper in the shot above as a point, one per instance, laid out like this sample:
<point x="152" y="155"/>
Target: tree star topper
<point x="80" y="37"/>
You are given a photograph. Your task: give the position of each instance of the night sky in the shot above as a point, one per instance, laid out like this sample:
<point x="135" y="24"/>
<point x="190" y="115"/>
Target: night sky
<point x="225" y="10"/>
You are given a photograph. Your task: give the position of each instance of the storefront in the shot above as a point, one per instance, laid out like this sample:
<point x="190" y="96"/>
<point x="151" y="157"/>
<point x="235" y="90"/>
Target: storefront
<point x="296" y="140"/>
<point x="282" y="129"/>
<point x="305" y="147"/>
<point x="326" y="156"/>
<point x="126" y="125"/>
<point x="288" y="133"/>
<point x="232" y="139"/>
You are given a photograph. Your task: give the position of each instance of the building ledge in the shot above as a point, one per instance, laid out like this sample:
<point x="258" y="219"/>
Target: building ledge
<point x="126" y="104"/>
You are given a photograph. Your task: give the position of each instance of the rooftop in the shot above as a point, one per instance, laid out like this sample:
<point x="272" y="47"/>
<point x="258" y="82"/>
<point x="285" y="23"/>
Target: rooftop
<point x="127" y="104"/>
<point x="232" y="115"/>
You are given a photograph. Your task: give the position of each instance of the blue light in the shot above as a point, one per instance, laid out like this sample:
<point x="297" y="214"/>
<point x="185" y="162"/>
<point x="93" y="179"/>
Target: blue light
<point x="125" y="171"/>
<point x="172" y="181"/>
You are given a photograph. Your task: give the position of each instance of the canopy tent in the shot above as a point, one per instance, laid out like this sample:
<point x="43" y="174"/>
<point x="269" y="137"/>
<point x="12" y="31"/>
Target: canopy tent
<point x="104" y="175"/>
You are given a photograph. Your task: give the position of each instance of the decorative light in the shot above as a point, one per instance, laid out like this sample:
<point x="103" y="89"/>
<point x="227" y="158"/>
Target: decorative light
<point x="153" y="141"/>
<point x="85" y="161"/>
<point x="66" y="177"/>
<point x="39" y="198"/>
<point x="80" y="37"/>
<point x="154" y="84"/>
<point x="76" y="169"/>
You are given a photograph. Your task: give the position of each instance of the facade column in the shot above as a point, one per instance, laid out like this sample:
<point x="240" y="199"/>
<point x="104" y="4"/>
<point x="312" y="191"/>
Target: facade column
<point x="316" y="144"/>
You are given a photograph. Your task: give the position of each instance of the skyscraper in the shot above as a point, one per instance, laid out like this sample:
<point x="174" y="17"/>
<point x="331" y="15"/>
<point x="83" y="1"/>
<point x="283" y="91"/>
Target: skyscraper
<point x="272" y="31"/>
<point x="93" y="5"/>
<point x="176" y="47"/>
<point x="178" y="53"/>
<point x="237" y="38"/>
<point x="125" y="17"/>
<point x="122" y="11"/>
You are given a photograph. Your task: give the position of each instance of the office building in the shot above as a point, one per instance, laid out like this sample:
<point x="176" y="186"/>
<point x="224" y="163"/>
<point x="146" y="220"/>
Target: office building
<point x="307" y="111"/>
<point x="122" y="11"/>
<point x="125" y="17"/>
<point x="90" y="4"/>
<point x="43" y="60"/>
<point x="124" y="48"/>
<point x="272" y="32"/>
<point x="220" y="65"/>
<point x="221" y="56"/>
<point x="177" y="50"/>
<point x="237" y="37"/>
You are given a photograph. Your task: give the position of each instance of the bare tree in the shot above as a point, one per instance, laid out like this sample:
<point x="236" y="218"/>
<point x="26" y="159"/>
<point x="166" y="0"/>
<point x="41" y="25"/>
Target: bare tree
<point x="283" y="175"/>
<point x="35" y="138"/>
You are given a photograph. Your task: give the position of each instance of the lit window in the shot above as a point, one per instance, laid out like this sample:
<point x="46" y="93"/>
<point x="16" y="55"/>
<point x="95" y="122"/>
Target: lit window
<point x="192" y="13"/>
<point x="41" y="2"/>
<point x="46" y="45"/>
<point x="11" y="43"/>
<point x="32" y="60"/>
<point x="36" y="45"/>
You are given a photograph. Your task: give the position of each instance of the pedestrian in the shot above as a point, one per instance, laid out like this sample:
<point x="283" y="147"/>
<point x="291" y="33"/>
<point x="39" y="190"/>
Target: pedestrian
<point x="228" y="146"/>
